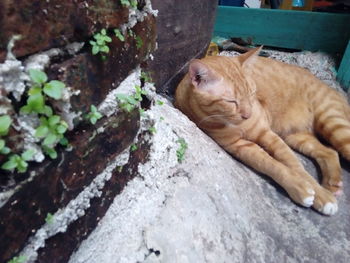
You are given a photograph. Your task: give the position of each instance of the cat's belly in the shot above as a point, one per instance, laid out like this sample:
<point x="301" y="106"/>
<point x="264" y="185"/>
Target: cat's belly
<point x="296" y="119"/>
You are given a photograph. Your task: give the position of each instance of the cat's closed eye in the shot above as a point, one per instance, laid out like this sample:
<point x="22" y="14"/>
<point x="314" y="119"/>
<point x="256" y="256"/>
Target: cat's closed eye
<point x="232" y="101"/>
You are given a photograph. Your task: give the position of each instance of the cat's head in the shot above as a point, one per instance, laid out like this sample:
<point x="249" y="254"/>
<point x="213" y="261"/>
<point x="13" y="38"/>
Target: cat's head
<point x="223" y="86"/>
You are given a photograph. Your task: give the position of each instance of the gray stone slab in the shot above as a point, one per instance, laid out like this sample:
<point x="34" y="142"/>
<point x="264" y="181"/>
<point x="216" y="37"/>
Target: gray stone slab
<point x="210" y="208"/>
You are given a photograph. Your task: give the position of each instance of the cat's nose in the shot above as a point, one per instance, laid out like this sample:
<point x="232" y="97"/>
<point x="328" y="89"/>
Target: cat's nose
<point x="246" y="114"/>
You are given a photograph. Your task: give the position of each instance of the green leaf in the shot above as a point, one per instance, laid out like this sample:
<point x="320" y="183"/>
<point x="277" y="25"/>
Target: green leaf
<point x="20" y="259"/>
<point x="50" y="152"/>
<point x="28" y="154"/>
<point x="2" y="144"/>
<point x="41" y="131"/>
<point x="10" y="164"/>
<point x="121" y="97"/>
<point x="50" y="139"/>
<point x="36" y="102"/>
<point x="5" y="122"/>
<point x="34" y="90"/>
<point x="133" y="3"/>
<point x="93" y="120"/>
<point x="107" y="39"/>
<point x="142" y="112"/>
<point x="22" y="167"/>
<point x="54" y="89"/>
<point x="133" y="147"/>
<point x="47" y="111"/>
<point x="98" y="115"/>
<point x="5" y="150"/>
<point x="44" y="121"/>
<point x="37" y="76"/>
<point x="53" y="120"/>
<point x="131" y="100"/>
<point x="119" y="35"/>
<point x="159" y="102"/>
<point x="95" y="50"/>
<point x="104" y="49"/>
<point x="152" y="130"/>
<point x="93" y="108"/>
<point x="139" y="42"/>
<point x="61" y="129"/>
<point x="127" y="107"/>
<point x="92" y="43"/>
<point x="25" y="109"/>
<point x="125" y="2"/>
<point x="97" y="36"/>
<point x="64" y="141"/>
<point x="103" y="31"/>
<point x="49" y="218"/>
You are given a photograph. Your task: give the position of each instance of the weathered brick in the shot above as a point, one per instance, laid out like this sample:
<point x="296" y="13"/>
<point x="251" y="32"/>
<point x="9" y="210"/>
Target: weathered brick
<point x="48" y="24"/>
<point x="59" y="181"/>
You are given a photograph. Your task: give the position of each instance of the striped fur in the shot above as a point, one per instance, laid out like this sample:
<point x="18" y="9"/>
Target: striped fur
<point x="257" y="108"/>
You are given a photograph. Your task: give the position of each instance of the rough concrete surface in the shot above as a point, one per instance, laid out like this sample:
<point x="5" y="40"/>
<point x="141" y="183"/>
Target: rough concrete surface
<point x="210" y="208"/>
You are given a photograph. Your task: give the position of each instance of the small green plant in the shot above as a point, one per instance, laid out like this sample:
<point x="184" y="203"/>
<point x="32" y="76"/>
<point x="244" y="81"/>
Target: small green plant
<point x="5" y="123"/>
<point x="180" y="153"/>
<point x="130" y="102"/>
<point x="139" y="42"/>
<point x="131" y="33"/>
<point x="119" y="35"/>
<point x="119" y="169"/>
<point x="18" y="162"/>
<point x="20" y="259"/>
<point x="161" y="118"/>
<point x="142" y="112"/>
<point x="3" y="149"/>
<point x="139" y="92"/>
<point x="146" y="77"/>
<point x="133" y="147"/>
<point x="152" y="130"/>
<point x="51" y="130"/>
<point x="127" y="3"/>
<point x="93" y="116"/>
<point x="49" y="218"/>
<point x="160" y="103"/>
<point x="133" y="3"/>
<point x="99" y="45"/>
<point x="36" y="98"/>
<point x="126" y="102"/>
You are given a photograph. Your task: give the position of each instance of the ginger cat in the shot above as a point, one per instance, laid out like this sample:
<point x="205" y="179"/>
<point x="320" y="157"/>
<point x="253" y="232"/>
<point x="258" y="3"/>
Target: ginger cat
<point x="256" y="108"/>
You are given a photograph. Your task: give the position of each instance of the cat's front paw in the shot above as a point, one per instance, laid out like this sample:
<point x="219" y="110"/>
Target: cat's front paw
<point x="301" y="192"/>
<point x="325" y="202"/>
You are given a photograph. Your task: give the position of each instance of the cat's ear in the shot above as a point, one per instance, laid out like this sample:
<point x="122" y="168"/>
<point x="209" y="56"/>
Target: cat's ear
<point x="200" y="74"/>
<point x="248" y="59"/>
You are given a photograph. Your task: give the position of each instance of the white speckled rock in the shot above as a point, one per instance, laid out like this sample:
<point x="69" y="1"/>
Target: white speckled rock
<point x="210" y="208"/>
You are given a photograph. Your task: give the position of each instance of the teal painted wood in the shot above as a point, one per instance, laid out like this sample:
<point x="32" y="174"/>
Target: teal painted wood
<point x="343" y="75"/>
<point x="285" y="28"/>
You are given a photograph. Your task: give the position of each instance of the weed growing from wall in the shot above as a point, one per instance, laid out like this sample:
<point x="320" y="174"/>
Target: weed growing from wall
<point x="51" y="128"/>
<point x="180" y="152"/>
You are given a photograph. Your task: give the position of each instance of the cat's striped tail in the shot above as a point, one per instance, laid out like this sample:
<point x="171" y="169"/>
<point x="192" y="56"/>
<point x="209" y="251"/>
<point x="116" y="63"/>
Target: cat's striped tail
<point x="332" y="122"/>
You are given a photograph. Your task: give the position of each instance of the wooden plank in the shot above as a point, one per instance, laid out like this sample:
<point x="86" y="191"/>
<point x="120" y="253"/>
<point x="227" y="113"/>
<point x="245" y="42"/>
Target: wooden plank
<point x="343" y="75"/>
<point x="285" y="28"/>
<point x="181" y="37"/>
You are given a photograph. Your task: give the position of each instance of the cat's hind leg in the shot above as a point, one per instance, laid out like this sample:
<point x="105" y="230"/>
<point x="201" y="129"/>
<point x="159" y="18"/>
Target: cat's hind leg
<point x="327" y="158"/>
<point x="332" y="122"/>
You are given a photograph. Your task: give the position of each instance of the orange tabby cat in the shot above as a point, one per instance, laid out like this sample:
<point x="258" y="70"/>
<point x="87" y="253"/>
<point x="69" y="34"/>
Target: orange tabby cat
<point x="256" y="107"/>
